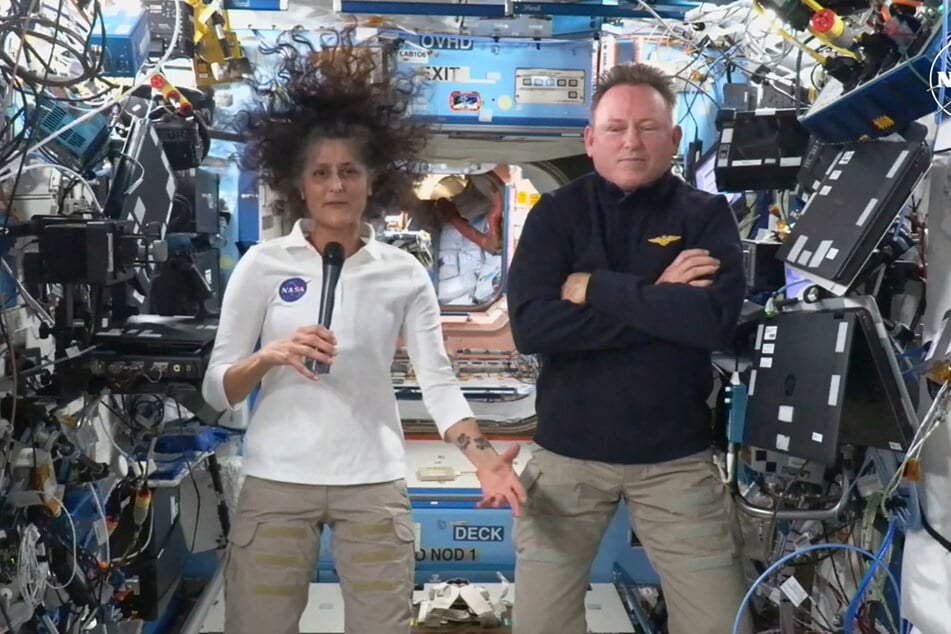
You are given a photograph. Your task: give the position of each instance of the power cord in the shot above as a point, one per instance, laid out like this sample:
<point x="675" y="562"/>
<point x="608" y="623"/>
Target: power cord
<point x="851" y="614"/>
<point x="783" y="561"/>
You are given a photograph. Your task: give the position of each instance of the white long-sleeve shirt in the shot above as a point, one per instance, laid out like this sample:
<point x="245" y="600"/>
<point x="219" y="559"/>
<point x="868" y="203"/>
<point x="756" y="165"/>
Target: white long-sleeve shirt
<point x="345" y="428"/>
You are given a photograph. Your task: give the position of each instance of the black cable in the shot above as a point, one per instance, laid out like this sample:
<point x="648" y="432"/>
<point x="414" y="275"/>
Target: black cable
<point x="935" y="535"/>
<point x="797" y="89"/>
<point x="191" y="476"/>
<point x="56" y="39"/>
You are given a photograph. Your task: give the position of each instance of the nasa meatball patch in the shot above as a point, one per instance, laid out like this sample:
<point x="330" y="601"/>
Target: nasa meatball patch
<point x="293" y="289"/>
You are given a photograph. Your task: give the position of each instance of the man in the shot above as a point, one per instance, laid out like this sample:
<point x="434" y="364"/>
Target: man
<point x="624" y="281"/>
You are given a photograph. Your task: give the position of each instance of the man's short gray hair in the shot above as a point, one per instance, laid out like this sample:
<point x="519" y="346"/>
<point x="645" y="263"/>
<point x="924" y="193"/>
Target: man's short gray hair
<point x="635" y="75"/>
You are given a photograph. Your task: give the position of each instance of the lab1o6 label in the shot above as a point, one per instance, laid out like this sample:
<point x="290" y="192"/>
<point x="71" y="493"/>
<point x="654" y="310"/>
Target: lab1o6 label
<point x="465" y="533"/>
<point x="413" y="56"/>
<point x="447" y="554"/>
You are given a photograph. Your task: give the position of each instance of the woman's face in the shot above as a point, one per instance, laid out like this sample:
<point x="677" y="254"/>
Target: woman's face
<point x="335" y="185"/>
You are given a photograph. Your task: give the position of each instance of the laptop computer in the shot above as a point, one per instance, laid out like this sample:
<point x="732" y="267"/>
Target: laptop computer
<point x="853" y="209"/>
<point x="826" y="376"/>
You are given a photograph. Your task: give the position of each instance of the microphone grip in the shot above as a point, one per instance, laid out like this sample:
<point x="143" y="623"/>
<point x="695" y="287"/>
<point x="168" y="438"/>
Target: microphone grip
<point x="331" y="275"/>
<point x="326" y="312"/>
<point x="316" y="366"/>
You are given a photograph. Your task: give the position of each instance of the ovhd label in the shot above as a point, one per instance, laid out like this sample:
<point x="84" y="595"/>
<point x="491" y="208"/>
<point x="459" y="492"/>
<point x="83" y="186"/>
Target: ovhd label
<point x="478" y="533"/>
<point x="445" y="42"/>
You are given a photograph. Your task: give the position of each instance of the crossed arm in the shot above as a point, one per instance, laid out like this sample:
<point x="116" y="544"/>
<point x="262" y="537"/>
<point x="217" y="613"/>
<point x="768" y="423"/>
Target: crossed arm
<point x="695" y="302"/>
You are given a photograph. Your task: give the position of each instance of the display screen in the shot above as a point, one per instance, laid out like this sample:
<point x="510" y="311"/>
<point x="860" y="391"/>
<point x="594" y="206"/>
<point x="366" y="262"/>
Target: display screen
<point x="705" y="178"/>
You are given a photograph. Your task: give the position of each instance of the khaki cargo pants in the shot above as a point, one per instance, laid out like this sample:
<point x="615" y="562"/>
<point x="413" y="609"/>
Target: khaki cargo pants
<point x="273" y="548"/>
<point x="681" y="512"/>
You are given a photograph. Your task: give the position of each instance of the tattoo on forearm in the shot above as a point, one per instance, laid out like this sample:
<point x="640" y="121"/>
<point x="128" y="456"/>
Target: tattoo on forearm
<point x="481" y="443"/>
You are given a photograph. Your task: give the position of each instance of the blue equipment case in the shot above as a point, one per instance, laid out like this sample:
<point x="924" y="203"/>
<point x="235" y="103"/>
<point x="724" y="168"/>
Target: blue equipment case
<point x="882" y="105"/>
<point x="127" y="40"/>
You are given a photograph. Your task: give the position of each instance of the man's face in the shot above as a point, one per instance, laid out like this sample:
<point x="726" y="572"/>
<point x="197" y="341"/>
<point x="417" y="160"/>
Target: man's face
<point x="632" y="138"/>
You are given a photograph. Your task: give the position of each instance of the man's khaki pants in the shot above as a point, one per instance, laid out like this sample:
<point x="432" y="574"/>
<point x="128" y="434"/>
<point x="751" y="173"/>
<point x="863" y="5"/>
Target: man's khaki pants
<point x="273" y="548"/>
<point x="681" y="513"/>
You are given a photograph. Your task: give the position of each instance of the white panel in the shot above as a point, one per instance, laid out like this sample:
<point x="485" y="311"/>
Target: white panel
<point x="866" y="212"/>
<point x="897" y="164"/>
<point x="834" y="383"/>
<point x="782" y="442"/>
<point x="841" y="336"/>
<point x="821" y="252"/>
<point x="797" y="247"/>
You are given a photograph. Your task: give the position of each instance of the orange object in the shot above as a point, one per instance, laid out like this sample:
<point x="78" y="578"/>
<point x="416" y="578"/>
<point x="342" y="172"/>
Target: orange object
<point x="171" y="94"/>
<point x="491" y="240"/>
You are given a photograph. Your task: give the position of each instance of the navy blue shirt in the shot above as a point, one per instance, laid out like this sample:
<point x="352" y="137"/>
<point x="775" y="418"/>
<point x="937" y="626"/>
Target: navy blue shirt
<point x="625" y="378"/>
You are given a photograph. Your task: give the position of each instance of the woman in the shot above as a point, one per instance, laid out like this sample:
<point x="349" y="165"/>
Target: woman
<point x="332" y="136"/>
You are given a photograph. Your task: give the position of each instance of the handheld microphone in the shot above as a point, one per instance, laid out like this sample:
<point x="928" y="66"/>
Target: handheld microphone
<point x="333" y="262"/>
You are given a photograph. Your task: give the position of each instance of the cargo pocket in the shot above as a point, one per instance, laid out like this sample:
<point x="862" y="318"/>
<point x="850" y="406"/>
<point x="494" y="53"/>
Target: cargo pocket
<point x="404" y="528"/>
<point x="242" y="534"/>
<point x="238" y="590"/>
<point x="239" y="539"/>
<point x="407" y="539"/>
<point x="529" y="475"/>
<point x="525" y="524"/>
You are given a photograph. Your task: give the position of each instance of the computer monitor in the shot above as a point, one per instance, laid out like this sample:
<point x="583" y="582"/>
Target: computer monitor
<point x="760" y="149"/>
<point x="705" y="178"/>
<point x="827" y="376"/>
<point x="842" y="226"/>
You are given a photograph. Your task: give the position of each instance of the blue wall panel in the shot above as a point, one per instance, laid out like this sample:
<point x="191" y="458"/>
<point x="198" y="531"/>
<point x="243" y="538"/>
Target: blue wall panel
<point x="533" y="86"/>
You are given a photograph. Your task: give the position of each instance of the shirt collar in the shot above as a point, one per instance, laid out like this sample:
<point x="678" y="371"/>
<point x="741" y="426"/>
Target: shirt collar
<point x="655" y="191"/>
<point x="298" y="237"/>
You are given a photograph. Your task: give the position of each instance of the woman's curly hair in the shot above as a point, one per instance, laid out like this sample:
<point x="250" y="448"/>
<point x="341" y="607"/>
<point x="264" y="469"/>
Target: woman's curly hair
<point x="334" y="90"/>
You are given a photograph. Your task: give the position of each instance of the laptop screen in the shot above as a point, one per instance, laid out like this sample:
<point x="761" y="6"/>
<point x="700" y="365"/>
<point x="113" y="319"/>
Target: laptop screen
<point x="706" y="179"/>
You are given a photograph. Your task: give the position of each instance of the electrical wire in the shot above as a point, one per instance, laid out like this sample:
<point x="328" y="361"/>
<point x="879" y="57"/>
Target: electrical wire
<point x="851" y="614"/>
<point x="737" y="624"/>
<point x="62" y="168"/>
<point x="176" y="33"/>
<point x="936" y="414"/>
<point x="107" y="557"/>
